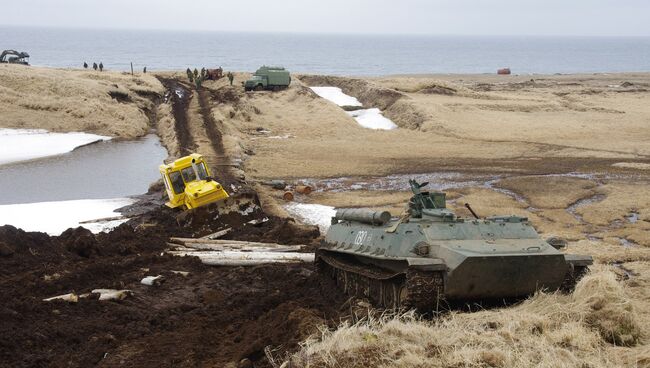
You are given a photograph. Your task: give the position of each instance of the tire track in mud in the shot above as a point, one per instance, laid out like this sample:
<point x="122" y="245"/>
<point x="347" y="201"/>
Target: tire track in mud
<point x="211" y="126"/>
<point x="180" y="97"/>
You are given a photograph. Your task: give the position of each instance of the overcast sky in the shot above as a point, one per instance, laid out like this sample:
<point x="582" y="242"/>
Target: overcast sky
<point x="460" y="17"/>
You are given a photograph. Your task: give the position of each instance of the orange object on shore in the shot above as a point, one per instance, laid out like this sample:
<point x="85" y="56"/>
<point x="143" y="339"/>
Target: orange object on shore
<point x="503" y="71"/>
<point x="287" y="196"/>
<point x="303" y="189"/>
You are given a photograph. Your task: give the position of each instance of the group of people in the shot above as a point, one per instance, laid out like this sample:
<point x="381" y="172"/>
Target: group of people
<point x="95" y="66"/>
<point x="101" y="67"/>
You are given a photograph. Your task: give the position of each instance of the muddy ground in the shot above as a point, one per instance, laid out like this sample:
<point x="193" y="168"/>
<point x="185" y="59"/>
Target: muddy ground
<point x="212" y="317"/>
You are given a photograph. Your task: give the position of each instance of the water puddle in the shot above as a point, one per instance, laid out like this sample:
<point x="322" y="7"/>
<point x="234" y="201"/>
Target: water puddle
<point x="437" y="181"/>
<point x="80" y="187"/>
<point x="627" y="273"/>
<point x="371" y="118"/>
<point x="632" y="218"/>
<point x="627" y="243"/>
<point x="107" y="169"/>
<point x="572" y="209"/>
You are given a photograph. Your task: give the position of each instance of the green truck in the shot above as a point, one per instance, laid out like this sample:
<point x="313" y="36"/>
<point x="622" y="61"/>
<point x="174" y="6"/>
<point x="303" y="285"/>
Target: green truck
<point x="270" y="78"/>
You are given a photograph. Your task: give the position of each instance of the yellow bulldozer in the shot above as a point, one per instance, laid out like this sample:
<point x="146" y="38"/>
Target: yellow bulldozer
<point x="189" y="184"/>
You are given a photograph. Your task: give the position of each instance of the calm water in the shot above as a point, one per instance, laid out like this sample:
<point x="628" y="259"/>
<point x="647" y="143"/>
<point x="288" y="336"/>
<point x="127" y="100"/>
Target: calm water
<point x="107" y="169"/>
<point x="329" y="54"/>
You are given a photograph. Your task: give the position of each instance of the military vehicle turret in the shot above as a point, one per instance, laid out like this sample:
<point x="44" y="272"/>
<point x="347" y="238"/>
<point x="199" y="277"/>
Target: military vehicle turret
<point x="429" y="255"/>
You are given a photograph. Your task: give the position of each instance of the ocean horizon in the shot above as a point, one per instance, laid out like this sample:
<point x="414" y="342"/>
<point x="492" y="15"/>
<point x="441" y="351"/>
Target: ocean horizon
<point x="337" y="54"/>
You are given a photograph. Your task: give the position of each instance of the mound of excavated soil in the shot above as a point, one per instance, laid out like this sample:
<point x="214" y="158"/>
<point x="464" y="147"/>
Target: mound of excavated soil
<point x="213" y="316"/>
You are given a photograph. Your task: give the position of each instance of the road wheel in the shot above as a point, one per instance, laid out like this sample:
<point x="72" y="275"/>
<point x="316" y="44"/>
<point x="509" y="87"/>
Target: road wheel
<point x="259" y="87"/>
<point x="276" y="88"/>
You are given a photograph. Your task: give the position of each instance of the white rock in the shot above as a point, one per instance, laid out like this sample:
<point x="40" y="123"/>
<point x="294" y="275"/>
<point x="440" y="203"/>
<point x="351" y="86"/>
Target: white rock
<point x="152" y="280"/>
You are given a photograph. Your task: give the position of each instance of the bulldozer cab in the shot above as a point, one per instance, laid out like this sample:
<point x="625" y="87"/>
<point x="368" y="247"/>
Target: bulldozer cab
<point x="188" y="183"/>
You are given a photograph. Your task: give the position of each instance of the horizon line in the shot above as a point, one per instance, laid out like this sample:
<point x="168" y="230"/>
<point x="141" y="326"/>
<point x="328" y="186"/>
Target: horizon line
<point x="408" y="34"/>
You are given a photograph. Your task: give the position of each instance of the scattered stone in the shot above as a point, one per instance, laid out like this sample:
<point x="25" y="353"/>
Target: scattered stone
<point x="112" y="294"/>
<point x="245" y="363"/>
<point x="182" y="273"/>
<point x="54" y="276"/>
<point x="153" y="280"/>
<point x="71" y="298"/>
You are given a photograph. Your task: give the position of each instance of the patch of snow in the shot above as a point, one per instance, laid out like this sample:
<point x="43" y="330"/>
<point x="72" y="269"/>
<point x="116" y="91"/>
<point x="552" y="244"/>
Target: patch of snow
<point x="336" y="95"/>
<point x="312" y="214"/>
<point x="372" y="119"/>
<point x="28" y="144"/>
<point x="367" y="118"/>
<point x="56" y="217"/>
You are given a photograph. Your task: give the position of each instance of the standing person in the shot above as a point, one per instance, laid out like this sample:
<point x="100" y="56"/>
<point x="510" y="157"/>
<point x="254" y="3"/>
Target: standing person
<point x="101" y="67"/>
<point x="85" y="65"/>
<point x="231" y="77"/>
<point x="144" y="70"/>
<point x="95" y="66"/>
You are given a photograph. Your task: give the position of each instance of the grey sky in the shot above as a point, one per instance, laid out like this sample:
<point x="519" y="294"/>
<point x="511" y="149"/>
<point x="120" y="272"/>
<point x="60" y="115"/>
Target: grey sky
<point x="463" y="17"/>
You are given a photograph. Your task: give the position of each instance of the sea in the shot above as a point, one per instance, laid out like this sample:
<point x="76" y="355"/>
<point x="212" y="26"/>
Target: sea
<point x="336" y="54"/>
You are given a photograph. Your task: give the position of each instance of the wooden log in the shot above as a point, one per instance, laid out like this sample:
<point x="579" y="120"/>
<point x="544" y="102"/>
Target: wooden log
<point x="234" y="258"/>
<point x="217" y="234"/>
<point x="243" y="248"/>
<point x="104" y="219"/>
<point x="185" y="241"/>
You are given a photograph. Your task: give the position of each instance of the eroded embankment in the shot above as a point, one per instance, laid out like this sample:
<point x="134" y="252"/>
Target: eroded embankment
<point x="394" y="104"/>
<point x="106" y="103"/>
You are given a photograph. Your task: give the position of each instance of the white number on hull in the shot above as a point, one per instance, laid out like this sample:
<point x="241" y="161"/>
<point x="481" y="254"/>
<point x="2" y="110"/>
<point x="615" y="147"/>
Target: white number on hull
<point x="361" y="237"/>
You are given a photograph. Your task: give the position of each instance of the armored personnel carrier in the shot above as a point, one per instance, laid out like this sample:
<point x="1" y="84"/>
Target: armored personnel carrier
<point x="429" y="255"/>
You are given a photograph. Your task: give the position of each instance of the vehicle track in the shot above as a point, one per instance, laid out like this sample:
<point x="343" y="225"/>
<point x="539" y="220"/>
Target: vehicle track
<point x="180" y="97"/>
<point x="211" y="126"/>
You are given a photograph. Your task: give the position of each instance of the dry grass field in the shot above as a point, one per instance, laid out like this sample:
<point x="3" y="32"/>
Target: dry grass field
<point x="108" y="103"/>
<point x="570" y="152"/>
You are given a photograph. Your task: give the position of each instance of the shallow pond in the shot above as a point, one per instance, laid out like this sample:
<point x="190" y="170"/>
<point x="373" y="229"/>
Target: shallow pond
<point x="106" y="169"/>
